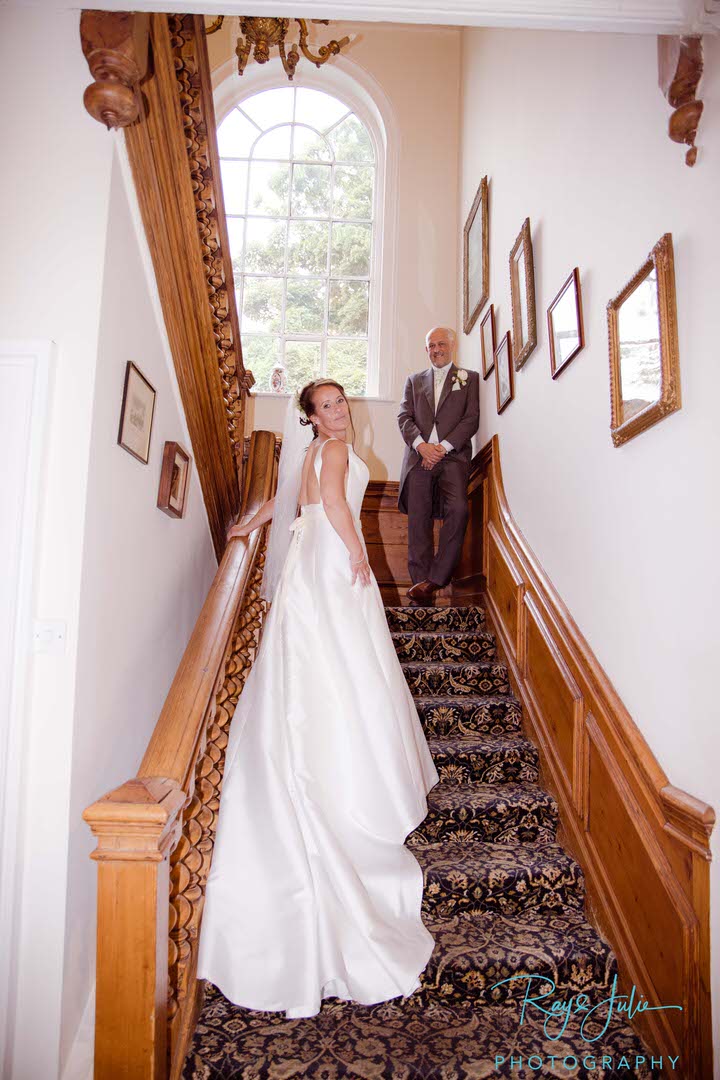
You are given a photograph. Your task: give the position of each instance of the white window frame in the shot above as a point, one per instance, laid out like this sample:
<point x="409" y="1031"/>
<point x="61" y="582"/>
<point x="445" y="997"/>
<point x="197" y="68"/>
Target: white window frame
<point x="349" y="83"/>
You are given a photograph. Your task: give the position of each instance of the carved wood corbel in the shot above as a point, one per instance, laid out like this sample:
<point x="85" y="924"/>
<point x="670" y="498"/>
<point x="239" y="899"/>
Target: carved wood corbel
<point x="680" y="67"/>
<point x="115" y="44"/>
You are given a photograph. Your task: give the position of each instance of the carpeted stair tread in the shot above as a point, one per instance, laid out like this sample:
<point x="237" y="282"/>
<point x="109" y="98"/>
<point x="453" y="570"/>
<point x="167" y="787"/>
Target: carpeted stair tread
<point x="416" y="1038"/>
<point x="485" y="714"/>
<point x="435" y="618"/>
<point x="501" y="878"/>
<point x="502" y="814"/>
<point x="428" y="679"/>
<point x="474" y="953"/>
<point x="484" y="759"/>
<point x="444" y="647"/>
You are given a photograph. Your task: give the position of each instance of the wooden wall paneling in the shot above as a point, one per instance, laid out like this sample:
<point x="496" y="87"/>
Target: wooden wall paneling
<point x="641" y="879"/>
<point x="643" y="844"/>
<point x="556" y="696"/>
<point x="506" y="586"/>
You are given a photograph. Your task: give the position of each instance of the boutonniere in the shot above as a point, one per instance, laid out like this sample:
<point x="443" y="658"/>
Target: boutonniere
<point x="459" y="379"/>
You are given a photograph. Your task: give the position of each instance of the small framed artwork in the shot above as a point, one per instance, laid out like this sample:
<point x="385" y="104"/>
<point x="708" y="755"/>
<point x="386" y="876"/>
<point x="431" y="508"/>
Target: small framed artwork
<point x="488" y="343"/>
<point x="136" y="414"/>
<point x="174" y="475"/>
<point x="565" y="324"/>
<point x="476" y="258"/>
<point x="522" y="294"/>
<point x="504" y="381"/>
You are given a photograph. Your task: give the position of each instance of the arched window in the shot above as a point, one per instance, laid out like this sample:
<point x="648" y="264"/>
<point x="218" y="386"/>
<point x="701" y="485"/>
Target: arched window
<point x="299" y="174"/>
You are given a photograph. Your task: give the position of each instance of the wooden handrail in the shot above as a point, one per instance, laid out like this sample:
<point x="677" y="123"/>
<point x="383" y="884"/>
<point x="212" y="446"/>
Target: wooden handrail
<point x="156" y="831"/>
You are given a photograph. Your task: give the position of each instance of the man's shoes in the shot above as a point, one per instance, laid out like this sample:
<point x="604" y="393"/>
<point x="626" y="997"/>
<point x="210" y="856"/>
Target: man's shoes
<point x="422" y="594"/>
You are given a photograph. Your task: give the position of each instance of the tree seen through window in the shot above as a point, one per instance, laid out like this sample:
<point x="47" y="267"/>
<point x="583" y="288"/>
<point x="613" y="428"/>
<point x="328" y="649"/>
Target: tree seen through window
<point x="298" y="173"/>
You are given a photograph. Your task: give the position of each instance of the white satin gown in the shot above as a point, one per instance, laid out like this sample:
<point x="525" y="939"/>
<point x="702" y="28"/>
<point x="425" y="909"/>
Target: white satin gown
<point x="312" y="893"/>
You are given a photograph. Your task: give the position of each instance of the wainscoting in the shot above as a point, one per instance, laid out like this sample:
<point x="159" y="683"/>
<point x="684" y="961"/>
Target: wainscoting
<point x="385" y="531"/>
<point x="643" y="844"/>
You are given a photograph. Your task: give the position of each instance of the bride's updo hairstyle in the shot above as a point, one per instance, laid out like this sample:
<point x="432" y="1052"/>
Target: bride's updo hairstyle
<point x="307" y="403"/>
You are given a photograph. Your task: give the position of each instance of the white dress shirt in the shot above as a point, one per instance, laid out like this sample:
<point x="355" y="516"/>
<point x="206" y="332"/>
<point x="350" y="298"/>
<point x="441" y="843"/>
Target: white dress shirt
<point x="439" y="377"/>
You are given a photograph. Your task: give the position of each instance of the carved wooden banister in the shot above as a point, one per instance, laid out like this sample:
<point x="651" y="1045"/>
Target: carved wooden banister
<point x="155" y="832"/>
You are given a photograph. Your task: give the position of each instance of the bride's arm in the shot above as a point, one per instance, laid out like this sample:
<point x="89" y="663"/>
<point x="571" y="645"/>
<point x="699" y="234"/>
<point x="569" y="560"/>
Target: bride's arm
<point x="263" y="515"/>
<point x="332" y="493"/>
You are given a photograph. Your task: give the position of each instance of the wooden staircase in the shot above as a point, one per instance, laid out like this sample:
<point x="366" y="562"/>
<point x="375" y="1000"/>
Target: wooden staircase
<point x="504" y="901"/>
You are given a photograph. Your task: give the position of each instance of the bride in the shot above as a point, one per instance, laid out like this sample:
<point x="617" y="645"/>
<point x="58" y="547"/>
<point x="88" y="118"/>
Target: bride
<point x="312" y="893"/>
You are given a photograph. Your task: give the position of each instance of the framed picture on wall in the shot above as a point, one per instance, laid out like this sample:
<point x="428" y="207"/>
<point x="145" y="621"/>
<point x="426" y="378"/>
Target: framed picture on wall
<point x="476" y="258"/>
<point x="174" y="475"/>
<point x="488" y="343"/>
<point x="136" y="414"/>
<point x="504" y="380"/>
<point x="565" y="324"/>
<point x="522" y="294"/>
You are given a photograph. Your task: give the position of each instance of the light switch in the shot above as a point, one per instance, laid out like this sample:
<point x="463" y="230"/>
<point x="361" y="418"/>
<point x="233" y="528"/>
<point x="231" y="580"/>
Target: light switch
<point x="49" y="636"/>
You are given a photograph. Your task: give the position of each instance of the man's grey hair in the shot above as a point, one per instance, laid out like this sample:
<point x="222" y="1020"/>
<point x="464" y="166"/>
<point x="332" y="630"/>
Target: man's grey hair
<point x="451" y="335"/>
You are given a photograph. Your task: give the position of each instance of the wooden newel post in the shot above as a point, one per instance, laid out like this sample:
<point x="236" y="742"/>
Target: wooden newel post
<point x="136" y="826"/>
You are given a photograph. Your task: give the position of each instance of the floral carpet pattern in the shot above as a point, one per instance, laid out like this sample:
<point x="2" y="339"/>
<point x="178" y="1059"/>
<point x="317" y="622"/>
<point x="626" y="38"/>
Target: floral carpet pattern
<point x="503" y="900"/>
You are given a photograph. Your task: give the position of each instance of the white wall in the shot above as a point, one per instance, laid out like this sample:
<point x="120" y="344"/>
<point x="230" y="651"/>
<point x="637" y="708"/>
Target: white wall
<point x="417" y="70"/>
<point x="145" y="576"/>
<point x="87" y="708"/>
<point x="571" y="130"/>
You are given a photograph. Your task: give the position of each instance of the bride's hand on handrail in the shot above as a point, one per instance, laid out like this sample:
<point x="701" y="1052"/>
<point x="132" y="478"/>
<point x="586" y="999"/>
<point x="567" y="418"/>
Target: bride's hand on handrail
<point x="239" y="530"/>
<point x="360" y="569"/>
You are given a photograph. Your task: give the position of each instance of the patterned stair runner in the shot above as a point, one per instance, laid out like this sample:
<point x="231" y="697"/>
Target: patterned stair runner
<point x="504" y="902"/>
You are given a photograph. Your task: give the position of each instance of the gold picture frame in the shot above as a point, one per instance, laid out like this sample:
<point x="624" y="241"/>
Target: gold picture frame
<point x="476" y="258"/>
<point x="504" y="378"/>
<point x="643" y="347"/>
<point x="522" y="295"/>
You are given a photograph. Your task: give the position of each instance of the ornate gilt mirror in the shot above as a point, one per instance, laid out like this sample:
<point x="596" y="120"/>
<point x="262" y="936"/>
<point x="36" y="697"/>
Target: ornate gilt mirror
<point x="522" y="296"/>
<point x="644" y="361"/>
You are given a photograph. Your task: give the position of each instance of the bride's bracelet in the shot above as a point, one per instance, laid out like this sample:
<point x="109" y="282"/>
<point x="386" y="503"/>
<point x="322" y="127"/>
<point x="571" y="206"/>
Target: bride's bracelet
<point x="359" y="561"/>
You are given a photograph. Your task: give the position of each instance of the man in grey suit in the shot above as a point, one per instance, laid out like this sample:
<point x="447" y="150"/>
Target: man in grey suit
<point x="439" y="414"/>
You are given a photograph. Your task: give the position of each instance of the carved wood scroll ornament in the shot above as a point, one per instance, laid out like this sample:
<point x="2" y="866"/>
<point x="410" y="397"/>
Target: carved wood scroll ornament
<point x="115" y="45"/>
<point x="680" y="67"/>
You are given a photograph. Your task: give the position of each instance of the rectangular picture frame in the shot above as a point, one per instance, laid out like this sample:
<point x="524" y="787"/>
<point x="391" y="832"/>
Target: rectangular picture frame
<point x="504" y="376"/>
<point x="568" y="301"/>
<point x="522" y="295"/>
<point x="488" y="342"/>
<point x="476" y="258"/>
<point x="136" y="414"/>
<point x="174" y="477"/>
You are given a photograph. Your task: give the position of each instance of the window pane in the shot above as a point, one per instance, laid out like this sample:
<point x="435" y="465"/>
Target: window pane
<point x="350" y="255"/>
<point x="353" y="191"/>
<point x="276" y="144"/>
<point x="308" y="247"/>
<point x="236" y="135"/>
<point x="311" y="191"/>
<point x="302" y="361"/>
<point x="260" y="355"/>
<point x="305" y="306"/>
<point x="269" y="189"/>
<point x="236" y="231"/>
<point x="318" y="109"/>
<point x="347" y="362"/>
<point x="348" y="307"/>
<point x="234" y="185"/>
<point x="270" y="107"/>
<point x="262" y="304"/>
<point x="309" y="145"/>
<point x="265" y="246"/>
<point x="351" y="142"/>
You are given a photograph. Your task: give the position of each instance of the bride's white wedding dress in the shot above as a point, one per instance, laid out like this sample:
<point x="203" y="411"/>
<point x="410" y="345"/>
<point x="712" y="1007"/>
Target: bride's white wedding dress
<point x="311" y="892"/>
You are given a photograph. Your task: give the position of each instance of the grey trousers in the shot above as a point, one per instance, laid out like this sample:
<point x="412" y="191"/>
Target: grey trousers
<point x="445" y="484"/>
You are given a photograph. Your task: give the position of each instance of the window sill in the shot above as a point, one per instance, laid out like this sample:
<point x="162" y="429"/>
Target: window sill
<point x="351" y="397"/>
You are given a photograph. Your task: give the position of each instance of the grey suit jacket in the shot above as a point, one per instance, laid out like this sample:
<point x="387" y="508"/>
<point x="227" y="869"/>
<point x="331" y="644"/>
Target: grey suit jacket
<point x="457" y="417"/>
